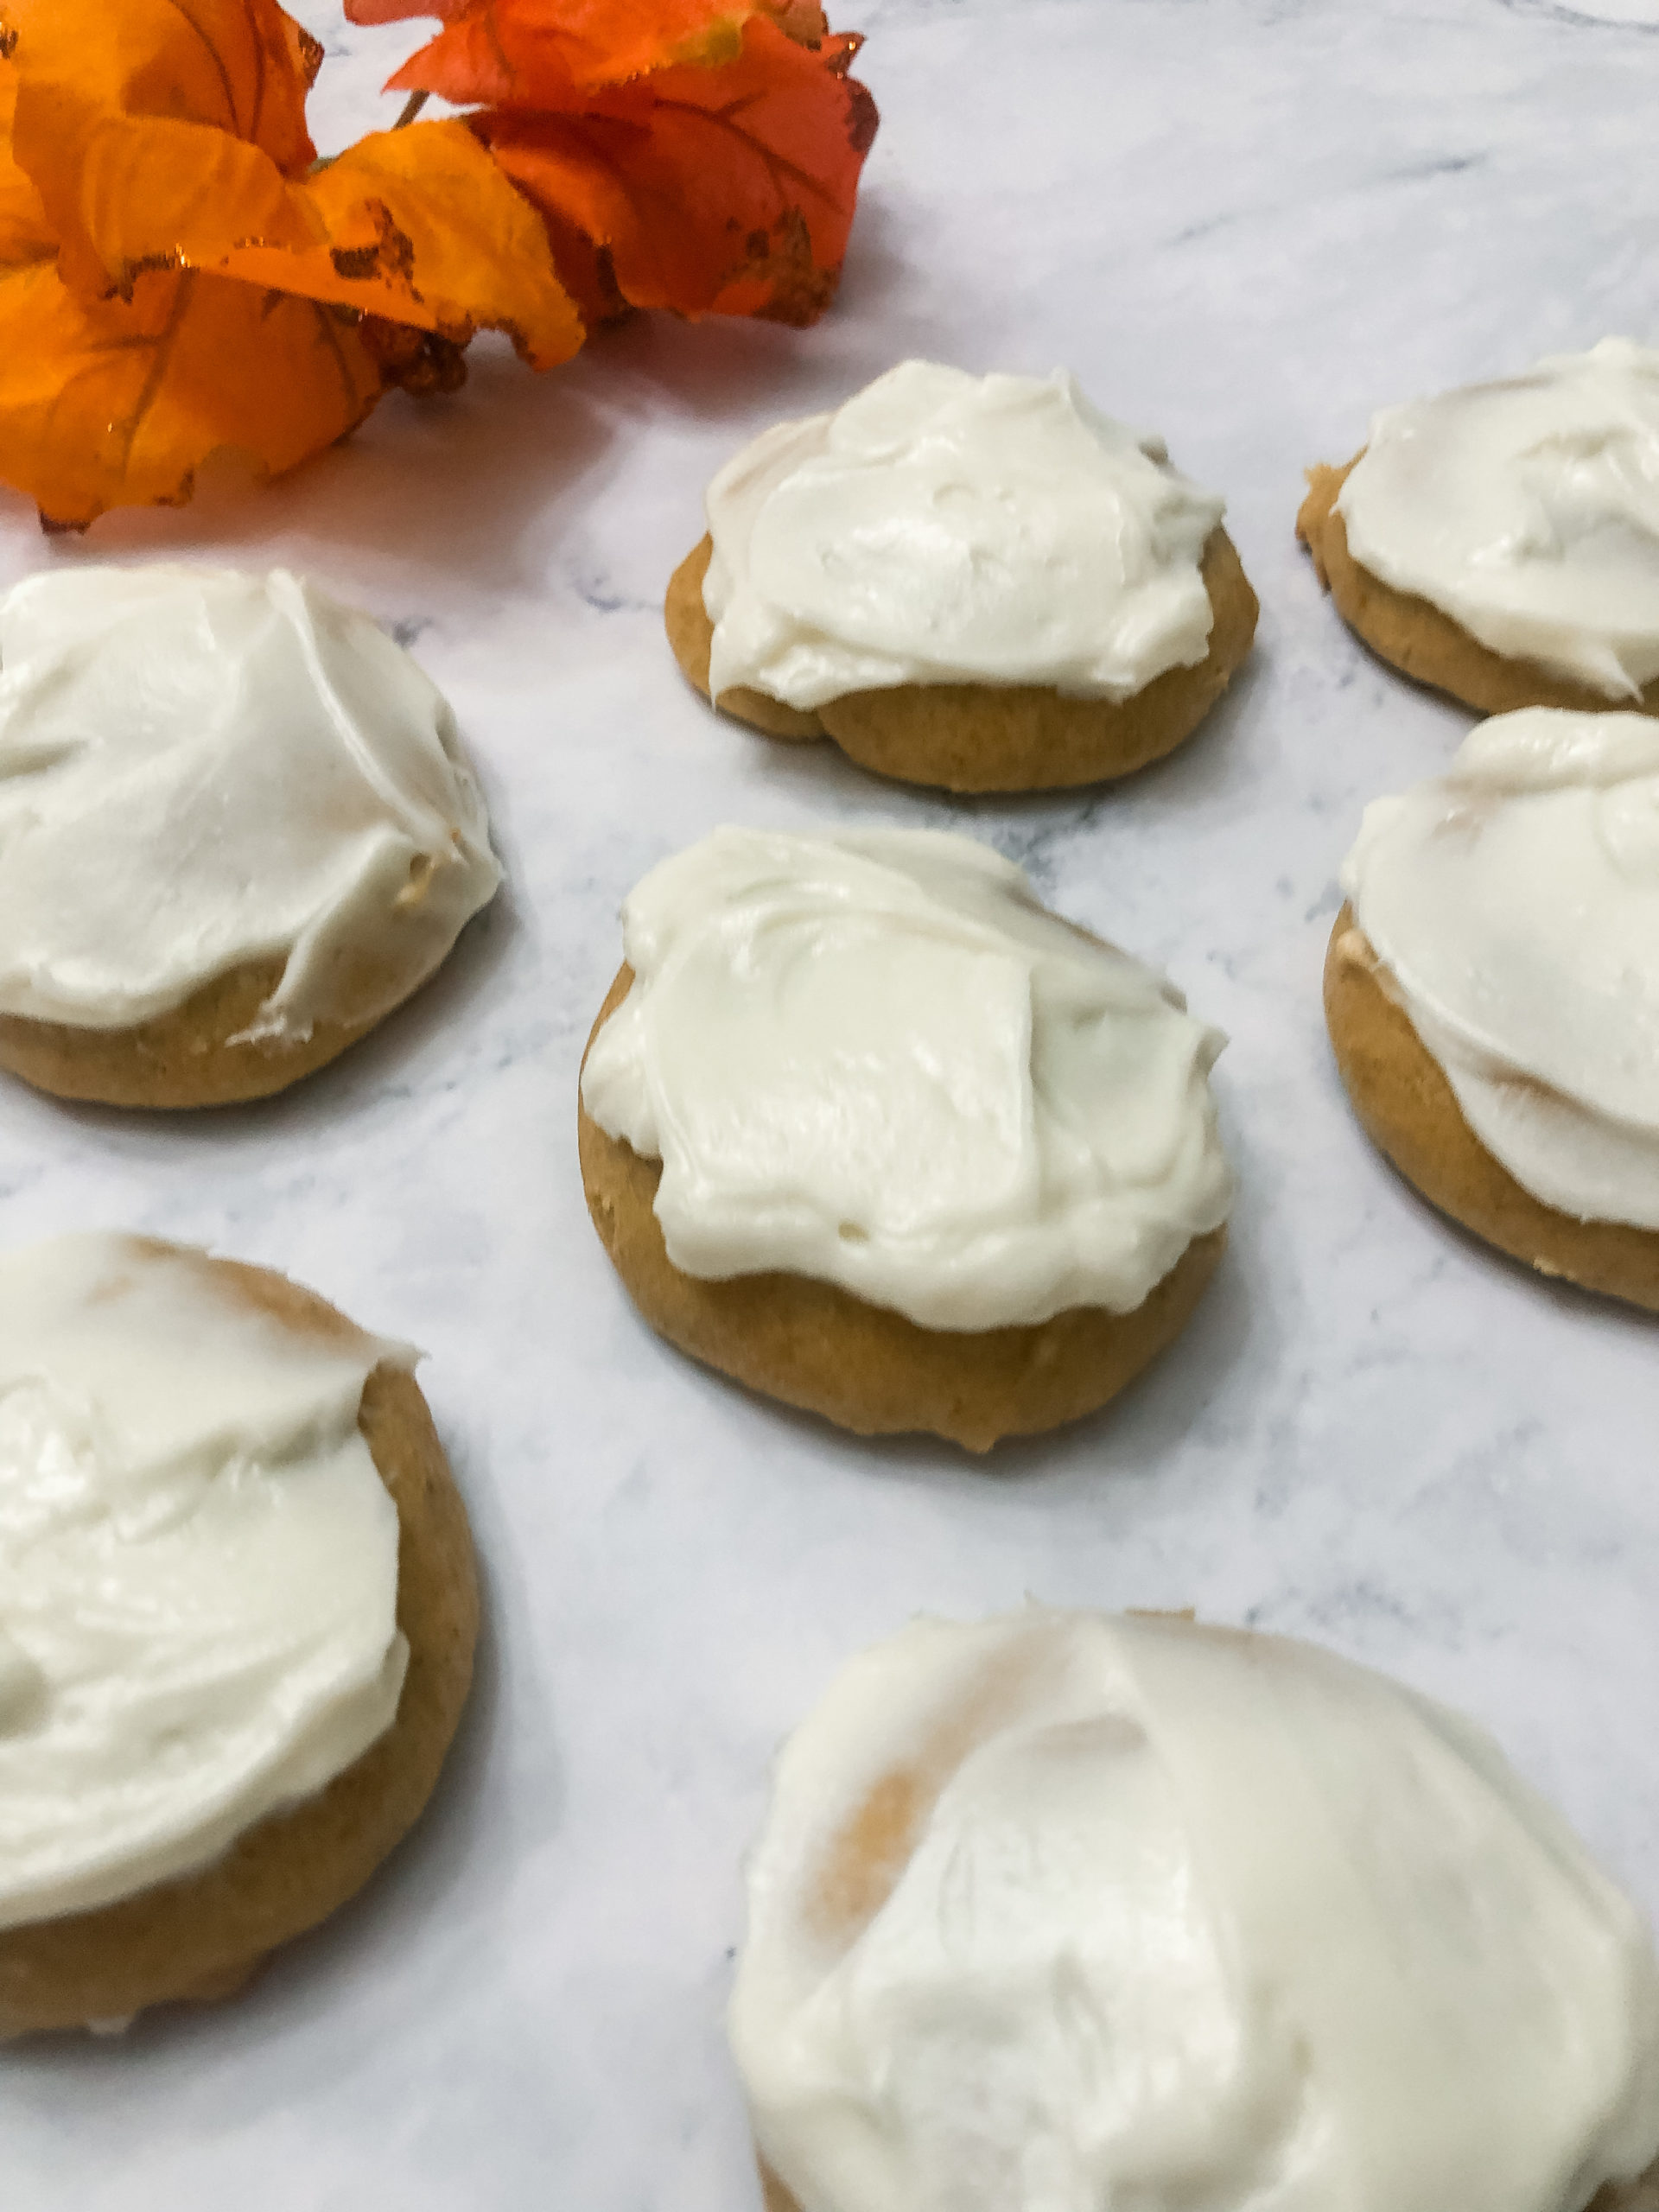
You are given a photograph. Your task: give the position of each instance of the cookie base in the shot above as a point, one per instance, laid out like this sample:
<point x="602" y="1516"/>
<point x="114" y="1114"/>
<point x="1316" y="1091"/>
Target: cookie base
<point x="1420" y="641"/>
<point x="194" y="1055"/>
<point x="982" y="737"/>
<point x="201" y="1937"/>
<point x="864" y="1367"/>
<point x="1410" y="1113"/>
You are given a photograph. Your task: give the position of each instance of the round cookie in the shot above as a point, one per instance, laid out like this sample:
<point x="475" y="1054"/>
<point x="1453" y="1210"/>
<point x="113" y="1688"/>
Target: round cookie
<point x="240" y="831"/>
<point x="945" y="1994"/>
<point x="866" y="1368"/>
<point x="1418" y="639"/>
<point x="1407" y="1109"/>
<point x="972" y="737"/>
<point x="200" y="1937"/>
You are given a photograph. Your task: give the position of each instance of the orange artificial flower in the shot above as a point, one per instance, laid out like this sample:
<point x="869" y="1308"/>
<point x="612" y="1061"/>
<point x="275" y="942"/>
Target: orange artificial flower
<point x="698" y="155"/>
<point x="178" y="276"/>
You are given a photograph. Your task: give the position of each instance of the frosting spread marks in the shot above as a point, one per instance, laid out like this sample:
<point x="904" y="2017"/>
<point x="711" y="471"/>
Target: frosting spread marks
<point x="198" y="1567"/>
<point x="1514" y="907"/>
<point x="1527" y="510"/>
<point x="875" y="1059"/>
<point x="199" y="769"/>
<point x="1058" y="1911"/>
<point x="944" y="528"/>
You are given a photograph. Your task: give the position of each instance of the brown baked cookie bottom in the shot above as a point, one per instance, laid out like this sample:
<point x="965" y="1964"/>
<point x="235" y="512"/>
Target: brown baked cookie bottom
<point x="1410" y="1113"/>
<point x="196" y="1055"/>
<point x="985" y="737"/>
<point x="864" y="1367"/>
<point x="1417" y="639"/>
<point x="201" y="1937"/>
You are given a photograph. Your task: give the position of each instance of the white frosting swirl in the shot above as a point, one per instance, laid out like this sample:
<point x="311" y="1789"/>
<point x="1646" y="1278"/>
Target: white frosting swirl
<point x="1527" y="510"/>
<point x="943" y="528"/>
<point x="1514" y="907"/>
<point x="198" y="1568"/>
<point x="199" y="769"/>
<point x="873" y="1058"/>
<point x="1059" y="1912"/>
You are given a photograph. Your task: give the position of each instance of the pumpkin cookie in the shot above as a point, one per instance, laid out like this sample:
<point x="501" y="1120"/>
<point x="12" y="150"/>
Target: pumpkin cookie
<point x="981" y="584"/>
<point x="1177" y="1914"/>
<point x="1492" y="993"/>
<point x="816" y="1148"/>
<point x="235" y="1638"/>
<point x="238" y="830"/>
<point x="1502" y="544"/>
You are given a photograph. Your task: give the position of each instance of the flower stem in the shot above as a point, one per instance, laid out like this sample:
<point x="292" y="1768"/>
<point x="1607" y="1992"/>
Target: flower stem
<point x="412" y="107"/>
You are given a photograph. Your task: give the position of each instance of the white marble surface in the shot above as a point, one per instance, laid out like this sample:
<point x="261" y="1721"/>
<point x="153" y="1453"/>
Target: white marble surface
<point x="1246" y="222"/>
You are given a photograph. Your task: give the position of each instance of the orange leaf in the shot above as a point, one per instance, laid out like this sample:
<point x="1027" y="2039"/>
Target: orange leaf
<point x="111" y="402"/>
<point x="25" y="234"/>
<point x="158" y="104"/>
<point x="547" y="52"/>
<point x="726" y="190"/>
<point x="150" y="319"/>
<point x="114" y="401"/>
<point x="698" y="155"/>
<point x="421" y="225"/>
<point x="169" y="134"/>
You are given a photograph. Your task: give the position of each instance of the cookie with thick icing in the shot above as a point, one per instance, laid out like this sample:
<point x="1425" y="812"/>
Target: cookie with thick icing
<point x="1493" y="992"/>
<point x="1501" y="543"/>
<point x="283" y="1598"/>
<point x="239" y="831"/>
<point x="980" y="584"/>
<point x="814" y="1148"/>
<point x="1154" y="1906"/>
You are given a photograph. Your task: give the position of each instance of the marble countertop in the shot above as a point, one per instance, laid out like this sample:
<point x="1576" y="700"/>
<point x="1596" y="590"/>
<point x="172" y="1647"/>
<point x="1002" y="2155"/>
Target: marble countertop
<point x="1246" y="223"/>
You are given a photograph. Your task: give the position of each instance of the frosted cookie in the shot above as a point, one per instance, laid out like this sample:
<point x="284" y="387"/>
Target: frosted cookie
<point x="981" y="583"/>
<point x="237" y="1617"/>
<point x="236" y="830"/>
<point x="1502" y="543"/>
<point x="1061" y="1910"/>
<point x="1492" y="991"/>
<point x="865" y="1127"/>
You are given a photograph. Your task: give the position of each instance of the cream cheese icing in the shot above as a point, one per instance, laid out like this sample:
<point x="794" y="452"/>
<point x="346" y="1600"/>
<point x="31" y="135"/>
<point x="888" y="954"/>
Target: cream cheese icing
<point x="1527" y="510"/>
<point x="198" y="769"/>
<point x="1513" y="905"/>
<point x="198" y="1568"/>
<point x="875" y="1059"/>
<point x="944" y="528"/>
<point x="1060" y="1911"/>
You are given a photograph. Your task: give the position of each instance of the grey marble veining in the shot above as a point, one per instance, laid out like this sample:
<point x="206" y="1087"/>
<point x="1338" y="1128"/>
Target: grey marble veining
<point x="1248" y="223"/>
